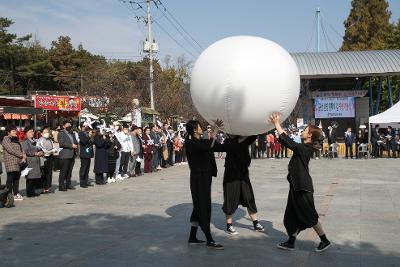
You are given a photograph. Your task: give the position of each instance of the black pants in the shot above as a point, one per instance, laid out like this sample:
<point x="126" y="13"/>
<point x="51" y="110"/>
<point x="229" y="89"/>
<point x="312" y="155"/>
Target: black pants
<point x="300" y="212"/>
<point x="47" y="174"/>
<point x="31" y="186"/>
<point x="123" y="167"/>
<point x="66" y="166"/>
<point x="375" y="149"/>
<point x="200" y="187"/>
<point x="138" y="170"/>
<point x="56" y="163"/>
<point x="349" y="147"/>
<point x="84" y="171"/>
<point x="284" y="152"/>
<point x="170" y="153"/>
<point x="99" y="178"/>
<point x="13" y="181"/>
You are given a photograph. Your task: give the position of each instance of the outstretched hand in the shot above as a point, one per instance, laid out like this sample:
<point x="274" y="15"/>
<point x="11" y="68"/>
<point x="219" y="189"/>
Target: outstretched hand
<point x="275" y="118"/>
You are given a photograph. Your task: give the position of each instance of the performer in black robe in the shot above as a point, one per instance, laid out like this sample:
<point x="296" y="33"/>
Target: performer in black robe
<point x="202" y="168"/>
<point x="237" y="186"/>
<point x="300" y="212"/>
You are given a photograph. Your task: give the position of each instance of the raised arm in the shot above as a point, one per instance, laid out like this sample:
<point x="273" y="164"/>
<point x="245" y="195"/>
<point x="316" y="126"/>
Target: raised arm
<point x="283" y="137"/>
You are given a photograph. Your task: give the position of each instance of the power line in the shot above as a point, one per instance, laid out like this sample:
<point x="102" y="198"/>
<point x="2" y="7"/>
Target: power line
<point x="170" y="36"/>
<point x="180" y="25"/>
<point x="140" y="7"/>
<point x="180" y="32"/>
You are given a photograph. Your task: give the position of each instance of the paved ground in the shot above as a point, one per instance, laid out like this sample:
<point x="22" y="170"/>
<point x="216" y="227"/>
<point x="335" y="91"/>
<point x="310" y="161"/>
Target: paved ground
<point x="144" y="221"/>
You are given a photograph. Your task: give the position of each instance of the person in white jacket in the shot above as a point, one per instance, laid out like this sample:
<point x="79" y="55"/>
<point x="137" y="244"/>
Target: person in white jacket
<point x="126" y="151"/>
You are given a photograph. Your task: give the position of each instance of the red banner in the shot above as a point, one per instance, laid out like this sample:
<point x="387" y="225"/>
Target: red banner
<point x="66" y="103"/>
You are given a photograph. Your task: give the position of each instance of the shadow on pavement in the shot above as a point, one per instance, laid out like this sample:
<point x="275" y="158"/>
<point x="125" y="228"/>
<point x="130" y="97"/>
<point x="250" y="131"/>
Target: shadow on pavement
<point x="160" y="240"/>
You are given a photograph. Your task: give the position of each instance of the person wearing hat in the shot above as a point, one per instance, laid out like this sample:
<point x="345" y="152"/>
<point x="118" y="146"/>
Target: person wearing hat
<point x="13" y="157"/>
<point x="85" y="153"/>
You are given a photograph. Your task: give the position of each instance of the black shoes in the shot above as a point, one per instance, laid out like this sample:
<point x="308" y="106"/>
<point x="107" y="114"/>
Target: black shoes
<point x="70" y="187"/>
<point x="61" y="188"/>
<point x="323" y="246"/>
<point x="214" y="245"/>
<point x="258" y="228"/>
<point x="286" y="246"/>
<point x="84" y="186"/>
<point x="196" y="242"/>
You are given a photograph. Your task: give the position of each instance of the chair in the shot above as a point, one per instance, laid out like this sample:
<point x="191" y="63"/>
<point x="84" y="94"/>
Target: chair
<point x="333" y="151"/>
<point x="363" y="151"/>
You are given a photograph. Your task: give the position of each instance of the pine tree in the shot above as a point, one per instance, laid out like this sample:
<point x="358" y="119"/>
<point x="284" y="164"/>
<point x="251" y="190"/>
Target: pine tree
<point x="394" y="40"/>
<point x="367" y="26"/>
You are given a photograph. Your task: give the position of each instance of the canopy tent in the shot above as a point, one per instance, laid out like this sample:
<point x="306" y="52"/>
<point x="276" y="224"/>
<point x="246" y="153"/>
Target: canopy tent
<point x="389" y="117"/>
<point x="85" y="113"/>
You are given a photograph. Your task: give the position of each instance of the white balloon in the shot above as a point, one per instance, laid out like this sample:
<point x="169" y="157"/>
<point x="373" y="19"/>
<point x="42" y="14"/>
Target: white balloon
<point x="242" y="80"/>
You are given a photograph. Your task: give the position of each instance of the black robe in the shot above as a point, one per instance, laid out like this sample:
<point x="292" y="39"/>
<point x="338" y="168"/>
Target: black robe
<point x="101" y="155"/>
<point x="202" y="166"/>
<point x="300" y="212"/>
<point x="237" y="186"/>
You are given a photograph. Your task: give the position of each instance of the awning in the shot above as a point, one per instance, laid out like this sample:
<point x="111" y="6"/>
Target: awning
<point x="389" y="117"/>
<point x="22" y="110"/>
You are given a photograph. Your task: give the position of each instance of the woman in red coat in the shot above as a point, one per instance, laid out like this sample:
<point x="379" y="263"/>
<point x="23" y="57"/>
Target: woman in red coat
<point x="148" y="147"/>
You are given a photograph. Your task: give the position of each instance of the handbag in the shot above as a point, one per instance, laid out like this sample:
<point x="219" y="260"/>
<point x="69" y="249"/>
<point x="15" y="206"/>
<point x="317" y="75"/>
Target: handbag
<point x="23" y="165"/>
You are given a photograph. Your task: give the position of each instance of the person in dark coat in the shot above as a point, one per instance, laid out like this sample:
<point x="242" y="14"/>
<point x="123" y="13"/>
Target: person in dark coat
<point x="200" y="157"/>
<point x="113" y="154"/>
<point x="33" y="154"/>
<point x="262" y="145"/>
<point x="349" y="139"/>
<point x="86" y="154"/>
<point x="375" y="136"/>
<point x="237" y="186"/>
<point x="148" y="150"/>
<point x="300" y="212"/>
<point x="102" y="143"/>
<point x="69" y="144"/>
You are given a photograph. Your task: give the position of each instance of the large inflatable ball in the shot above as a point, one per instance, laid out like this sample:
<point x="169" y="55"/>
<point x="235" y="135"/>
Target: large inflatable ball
<point x="242" y="80"/>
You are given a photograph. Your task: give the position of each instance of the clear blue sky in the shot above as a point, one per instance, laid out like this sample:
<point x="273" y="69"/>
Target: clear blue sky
<point x="108" y="27"/>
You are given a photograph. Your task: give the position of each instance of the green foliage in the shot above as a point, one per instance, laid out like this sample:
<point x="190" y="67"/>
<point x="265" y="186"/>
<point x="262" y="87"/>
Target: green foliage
<point x="367" y="26"/>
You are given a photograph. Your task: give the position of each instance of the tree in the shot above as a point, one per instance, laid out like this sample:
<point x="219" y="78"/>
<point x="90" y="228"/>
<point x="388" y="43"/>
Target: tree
<point x="394" y="39"/>
<point x="12" y="56"/>
<point x="367" y="26"/>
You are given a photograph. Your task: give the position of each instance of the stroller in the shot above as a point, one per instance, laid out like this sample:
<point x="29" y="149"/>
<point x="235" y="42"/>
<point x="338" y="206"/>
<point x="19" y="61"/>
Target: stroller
<point x="6" y="197"/>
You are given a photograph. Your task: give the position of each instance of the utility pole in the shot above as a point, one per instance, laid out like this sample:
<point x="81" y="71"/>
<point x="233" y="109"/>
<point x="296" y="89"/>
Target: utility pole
<point x="318" y="13"/>
<point x="81" y="83"/>
<point x="150" y="40"/>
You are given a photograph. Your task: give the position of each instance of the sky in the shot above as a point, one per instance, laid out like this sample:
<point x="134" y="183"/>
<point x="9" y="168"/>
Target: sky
<point x="109" y="27"/>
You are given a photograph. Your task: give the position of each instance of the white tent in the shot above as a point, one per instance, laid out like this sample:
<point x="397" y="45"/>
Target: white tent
<point x="389" y="117"/>
<point x="85" y="113"/>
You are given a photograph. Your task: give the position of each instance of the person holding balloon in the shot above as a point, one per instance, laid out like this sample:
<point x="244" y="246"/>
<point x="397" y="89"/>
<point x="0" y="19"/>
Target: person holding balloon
<point x="237" y="186"/>
<point x="202" y="165"/>
<point x="300" y="212"/>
